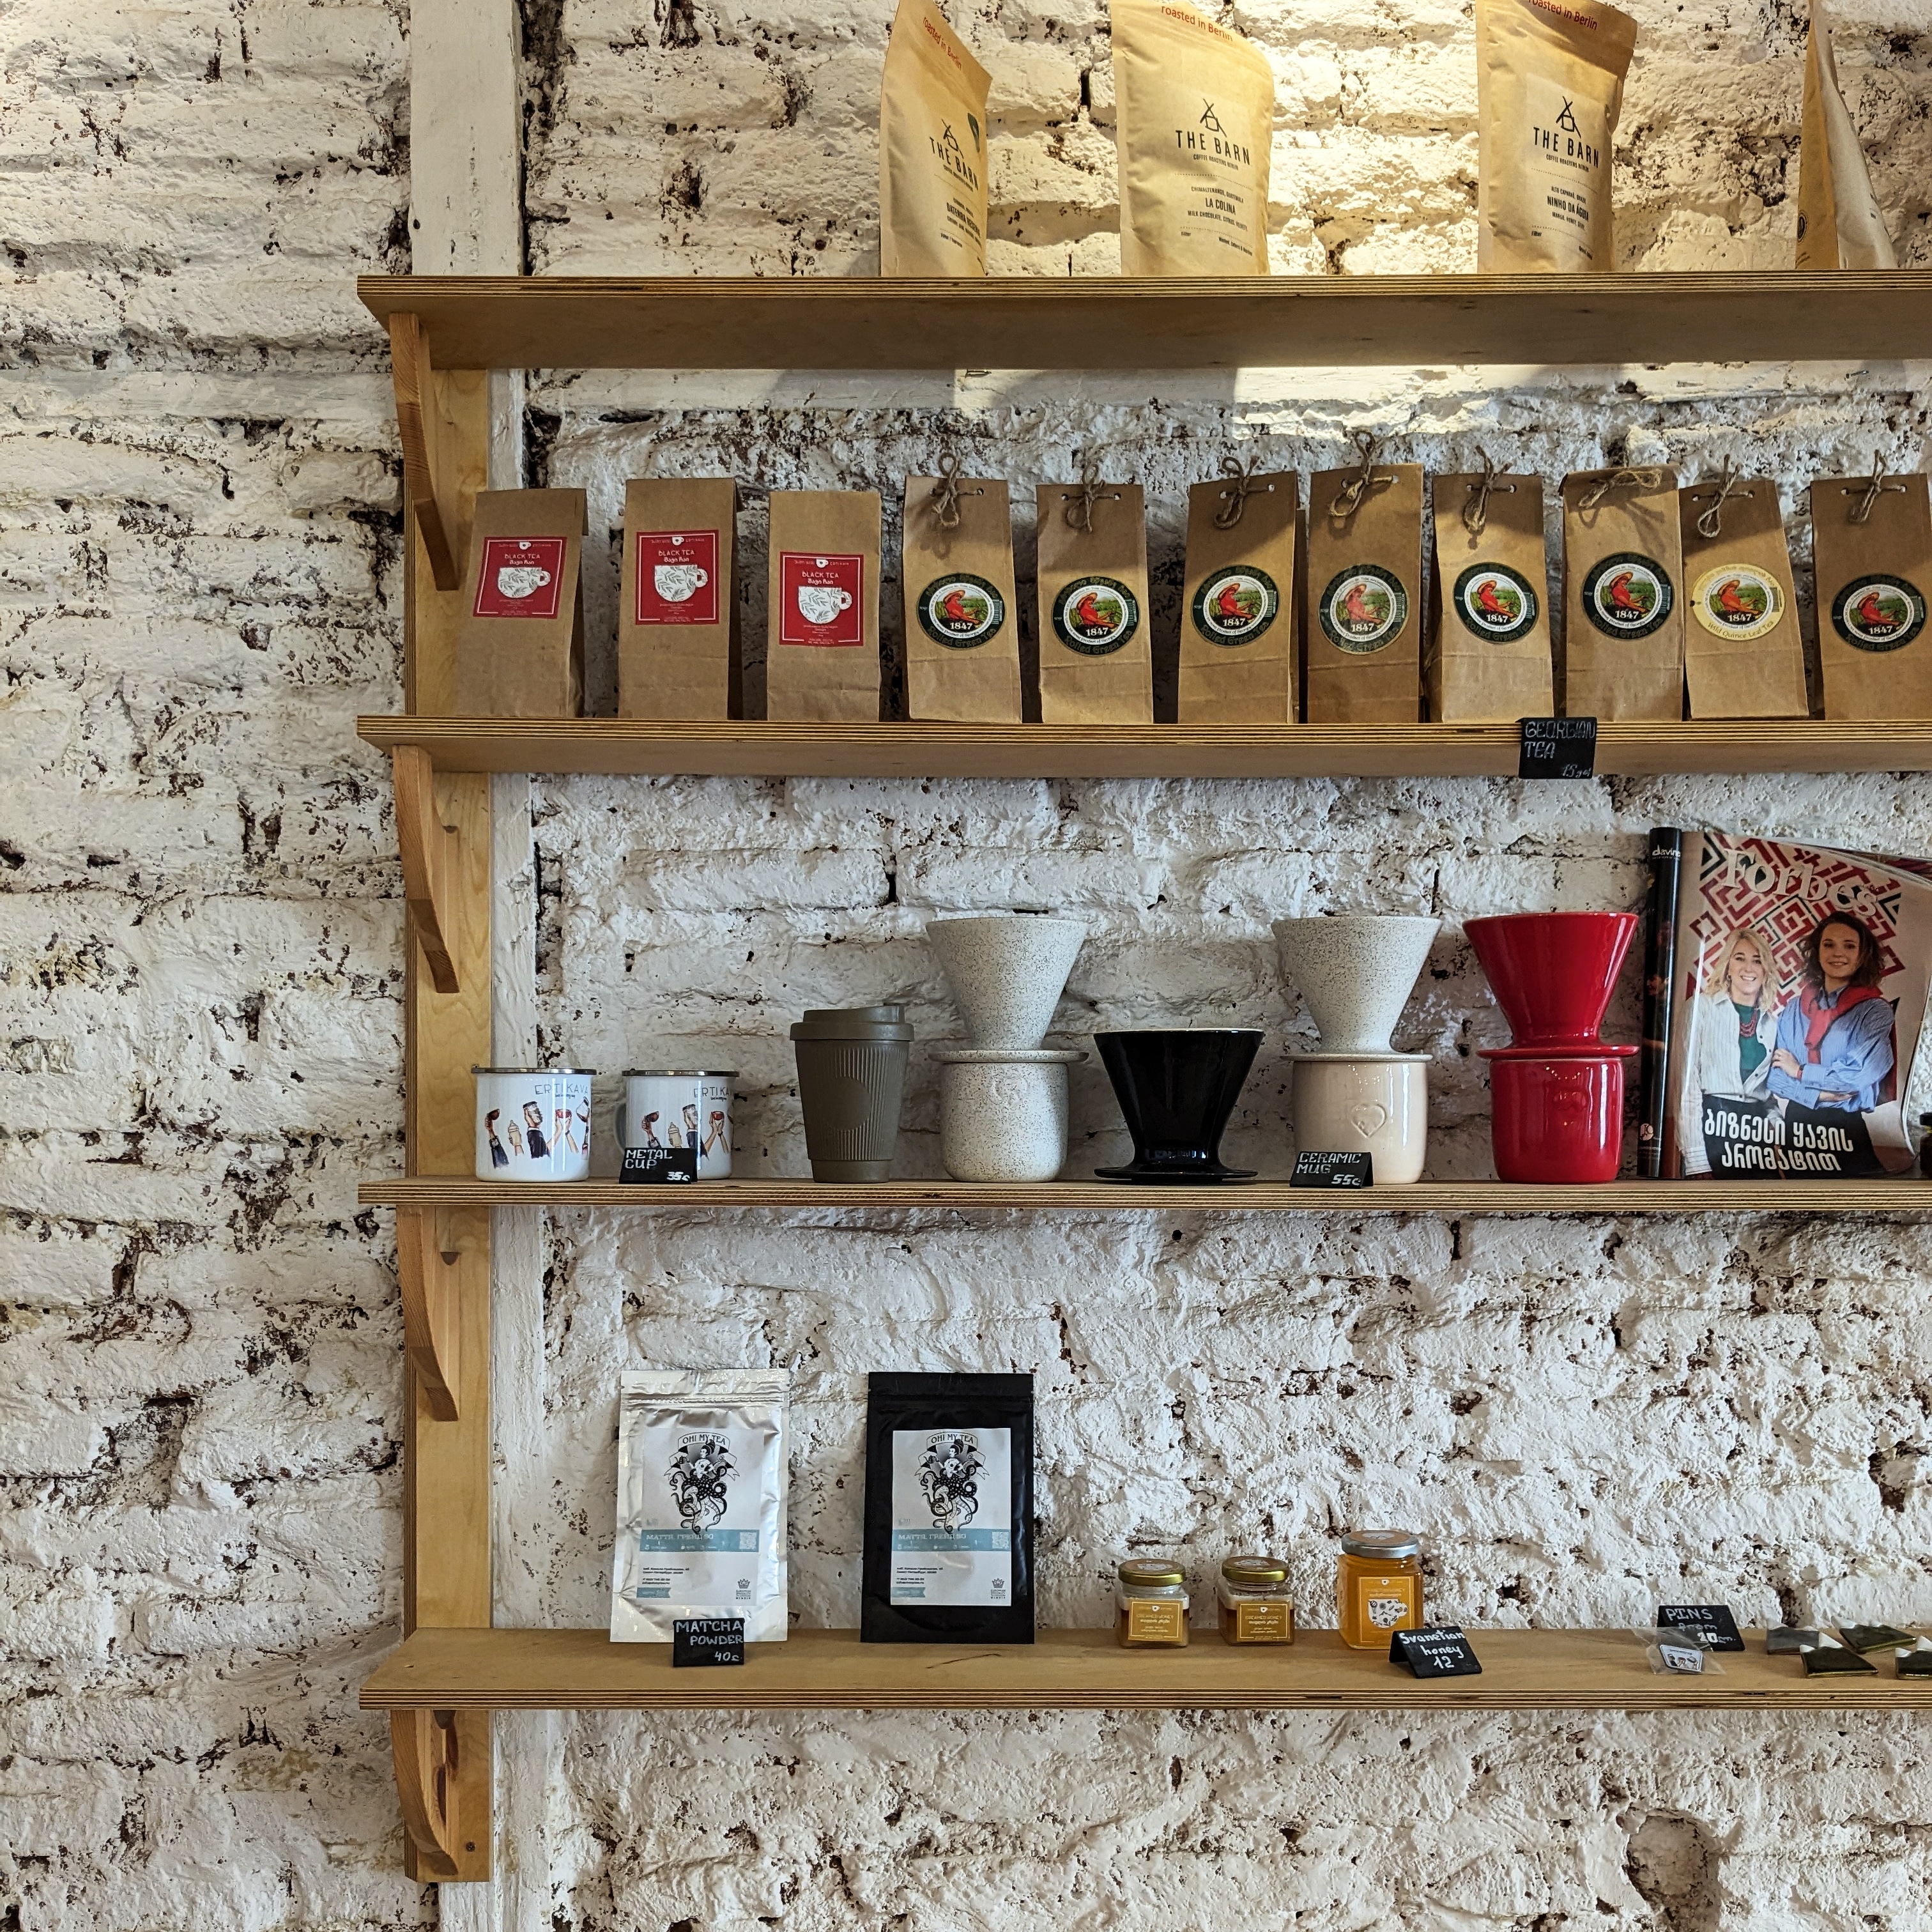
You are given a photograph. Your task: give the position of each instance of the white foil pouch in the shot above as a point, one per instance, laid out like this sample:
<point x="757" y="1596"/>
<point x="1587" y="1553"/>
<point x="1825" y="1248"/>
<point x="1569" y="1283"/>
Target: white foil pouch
<point x="701" y="1518"/>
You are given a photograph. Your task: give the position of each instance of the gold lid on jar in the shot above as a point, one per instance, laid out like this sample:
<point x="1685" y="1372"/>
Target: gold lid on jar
<point x="1152" y="1572"/>
<point x="1253" y="1573"/>
<point x="1378" y="1544"/>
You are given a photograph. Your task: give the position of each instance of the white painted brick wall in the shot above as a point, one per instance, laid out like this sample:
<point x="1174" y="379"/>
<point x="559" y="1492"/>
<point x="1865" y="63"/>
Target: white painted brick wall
<point x="200" y="966"/>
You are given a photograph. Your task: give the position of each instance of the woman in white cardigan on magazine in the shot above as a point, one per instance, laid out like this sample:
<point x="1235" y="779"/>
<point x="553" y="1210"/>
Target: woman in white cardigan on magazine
<point x="1736" y="1021"/>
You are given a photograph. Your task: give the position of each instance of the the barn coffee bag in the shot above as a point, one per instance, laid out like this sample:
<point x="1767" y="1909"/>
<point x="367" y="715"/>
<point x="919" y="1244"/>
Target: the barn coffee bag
<point x="519" y="653"/>
<point x="1550" y="85"/>
<point x="1360" y="642"/>
<point x="962" y="629"/>
<point x="932" y="149"/>
<point x="822" y="607"/>
<point x="1488" y="661"/>
<point x="1096" y="664"/>
<point x="1623" y="574"/>
<point x="677" y="607"/>
<point x="948" y="1510"/>
<point x="1237" y="604"/>
<point x="1744" y="655"/>
<point x="1196" y="107"/>
<point x="701" y="1488"/>
<point x="1872" y="547"/>
<point x="1839" y="223"/>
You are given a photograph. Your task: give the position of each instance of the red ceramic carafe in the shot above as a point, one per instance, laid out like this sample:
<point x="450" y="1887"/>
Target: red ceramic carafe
<point x="1553" y="972"/>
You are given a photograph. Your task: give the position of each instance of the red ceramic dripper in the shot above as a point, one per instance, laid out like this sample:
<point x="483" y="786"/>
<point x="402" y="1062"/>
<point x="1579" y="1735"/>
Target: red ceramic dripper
<point x="1553" y="972"/>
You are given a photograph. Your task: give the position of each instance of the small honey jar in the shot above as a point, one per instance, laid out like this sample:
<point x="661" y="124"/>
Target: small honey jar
<point x="1153" y="1603"/>
<point x="1255" y="1607"/>
<point x="1379" y="1586"/>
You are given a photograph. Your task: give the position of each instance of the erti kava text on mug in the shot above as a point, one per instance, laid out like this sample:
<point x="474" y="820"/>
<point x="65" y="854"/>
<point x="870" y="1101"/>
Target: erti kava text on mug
<point x="678" y="651"/>
<point x="1096" y="664"/>
<point x="961" y="621"/>
<point x="1549" y="85"/>
<point x="932" y="149"/>
<point x="520" y="653"/>
<point x="822" y="608"/>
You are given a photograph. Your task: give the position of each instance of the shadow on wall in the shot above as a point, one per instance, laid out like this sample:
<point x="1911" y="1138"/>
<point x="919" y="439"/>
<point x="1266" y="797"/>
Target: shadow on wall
<point x="1672" y="1863"/>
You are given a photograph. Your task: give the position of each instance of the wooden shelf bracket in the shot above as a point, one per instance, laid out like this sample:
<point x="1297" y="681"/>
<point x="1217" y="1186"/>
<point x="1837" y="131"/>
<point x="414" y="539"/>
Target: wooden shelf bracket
<point x="426" y="1266"/>
<point x="424" y="1745"/>
<point x="409" y="363"/>
<point x="428" y="848"/>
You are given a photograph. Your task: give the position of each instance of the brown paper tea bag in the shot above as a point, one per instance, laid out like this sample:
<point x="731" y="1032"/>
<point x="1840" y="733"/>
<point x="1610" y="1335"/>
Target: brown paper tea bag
<point x="822" y="634"/>
<point x="677" y="610"/>
<point x="519" y="653"/>
<point x="1237" y="604"/>
<point x="962" y="627"/>
<point x="1361" y="638"/>
<point x="1488" y="660"/>
<point x="1744" y="655"/>
<point x="1872" y="541"/>
<point x="1623" y="566"/>
<point x="1096" y="664"/>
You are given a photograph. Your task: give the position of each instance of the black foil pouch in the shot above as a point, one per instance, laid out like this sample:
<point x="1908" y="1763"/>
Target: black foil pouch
<point x="948" y="1510"/>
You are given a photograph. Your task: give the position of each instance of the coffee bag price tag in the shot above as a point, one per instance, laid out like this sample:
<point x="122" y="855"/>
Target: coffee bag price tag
<point x="704" y="1642"/>
<point x="1333" y="1170"/>
<point x="1711" y="1624"/>
<point x="656" y="1166"/>
<point x="1557" y="748"/>
<point x="1441" y="1650"/>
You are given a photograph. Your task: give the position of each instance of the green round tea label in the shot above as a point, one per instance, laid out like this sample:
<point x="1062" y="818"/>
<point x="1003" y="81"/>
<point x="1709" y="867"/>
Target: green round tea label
<point x="1627" y="595"/>
<point x="1095" y="616"/>
<point x="1235" y="604"/>
<point x="1496" y="602"/>
<point x="1364" y="607"/>
<point x="1879" y="613"/>
<point x="960" y="610"/>
<point x="1737" y="600"/>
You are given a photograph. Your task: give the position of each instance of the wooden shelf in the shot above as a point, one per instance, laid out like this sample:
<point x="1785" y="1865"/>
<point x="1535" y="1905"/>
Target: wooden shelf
<point x="634" y="748"/>
<point x="832" y="1670"/>
<point x="1910" y="1196"/>
<point x="471" y="322"/>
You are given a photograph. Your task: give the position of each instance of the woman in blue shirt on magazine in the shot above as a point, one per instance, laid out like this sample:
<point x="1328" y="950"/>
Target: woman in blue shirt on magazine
<point x="1835" y="1058"/>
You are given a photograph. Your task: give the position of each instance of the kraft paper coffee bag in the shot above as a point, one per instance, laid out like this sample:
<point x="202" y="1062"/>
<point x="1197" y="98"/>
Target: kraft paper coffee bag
<point x="932" y="149"/>
<point x="1096" y="663"/>
<point x="1743" y="654"/>
<point x="519" y="653"/>
<point x="1196" y="109"/>
<point x="1839" y="223"/>
<point x="1361" y="637"/>
<point x="1238" y="605"/>
<point x="1489" y="661"/>
<point x="1872" y="546"/>
<point x="822" y="622"/>
<point x="677" y="607"/>
<point x="1623" y="573"/>
<point x="962" y="629"/>
<point x="1549" y="85"/>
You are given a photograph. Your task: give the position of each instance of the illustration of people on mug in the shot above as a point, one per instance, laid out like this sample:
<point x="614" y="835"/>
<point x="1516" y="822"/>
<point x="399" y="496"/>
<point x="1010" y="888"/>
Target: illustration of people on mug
<point x="716" y="1141"/>
<point x="690" y="1124"/>
<point x="563" y="1130"/>
<point x="533" y="1129"/>
<point x="1736" y="1028"/>
<point x="650" y="1126"/>
<point x="498" y="1154"/>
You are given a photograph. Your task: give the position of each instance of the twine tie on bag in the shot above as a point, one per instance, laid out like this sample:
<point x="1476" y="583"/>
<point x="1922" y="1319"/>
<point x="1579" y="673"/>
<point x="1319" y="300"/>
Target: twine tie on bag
<point x="1235" y="500"/>
<point x="1348" y="498"/>
<point x="1619" y="479"/>
<point x="1476" y="508"/>
<point x="1080" y="502"/>
<point x="1711" y="523"/>
<point x="946" y="492"/>
<point x="1868" y="501"/>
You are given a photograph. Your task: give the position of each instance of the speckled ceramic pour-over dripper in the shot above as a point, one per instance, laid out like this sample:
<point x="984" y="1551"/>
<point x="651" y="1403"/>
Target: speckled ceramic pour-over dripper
<point x="1007" y="973"/>
<point x="1354" y="974"/>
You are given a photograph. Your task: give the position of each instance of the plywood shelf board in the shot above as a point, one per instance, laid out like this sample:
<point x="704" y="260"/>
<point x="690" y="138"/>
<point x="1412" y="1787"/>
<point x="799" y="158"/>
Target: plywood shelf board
<point x="1905" y="1197"/>
<point x="633" y="747"/>
<point x="823" y="1670"/>
<point x="1119" y="322"/>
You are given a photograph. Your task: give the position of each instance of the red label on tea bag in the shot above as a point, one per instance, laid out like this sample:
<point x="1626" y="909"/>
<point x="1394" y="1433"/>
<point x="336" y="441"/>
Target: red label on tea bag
<point x="677" y="576"/>
<point x="820" y="598"/>
<point x="521" y="576"/>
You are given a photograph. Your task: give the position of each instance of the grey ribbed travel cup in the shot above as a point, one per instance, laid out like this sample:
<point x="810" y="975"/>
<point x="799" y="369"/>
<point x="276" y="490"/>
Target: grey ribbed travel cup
<point x="851" y="1078"/>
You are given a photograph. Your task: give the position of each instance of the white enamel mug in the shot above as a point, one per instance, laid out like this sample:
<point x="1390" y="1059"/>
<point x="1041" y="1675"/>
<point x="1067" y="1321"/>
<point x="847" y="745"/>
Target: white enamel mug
<point x="532" y="1123"/>
<point x="673" y="1108"/>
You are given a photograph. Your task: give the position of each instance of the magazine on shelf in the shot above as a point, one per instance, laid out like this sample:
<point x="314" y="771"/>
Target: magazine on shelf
<point x="1787" y="1025"/>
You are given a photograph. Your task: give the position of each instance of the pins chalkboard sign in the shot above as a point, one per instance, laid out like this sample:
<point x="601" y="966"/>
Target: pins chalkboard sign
<point x="1711" y="1624"/>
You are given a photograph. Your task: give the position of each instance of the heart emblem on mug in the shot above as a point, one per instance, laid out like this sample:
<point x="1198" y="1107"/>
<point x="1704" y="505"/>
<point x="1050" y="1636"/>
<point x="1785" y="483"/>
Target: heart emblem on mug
<point x="1369" y="1119"/>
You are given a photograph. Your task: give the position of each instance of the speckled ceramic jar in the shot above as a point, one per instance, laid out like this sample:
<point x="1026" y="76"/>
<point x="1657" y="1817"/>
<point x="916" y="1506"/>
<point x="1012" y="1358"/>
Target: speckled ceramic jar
<point x="1007" y="973"/>
<point x="1003" y="1115"/>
